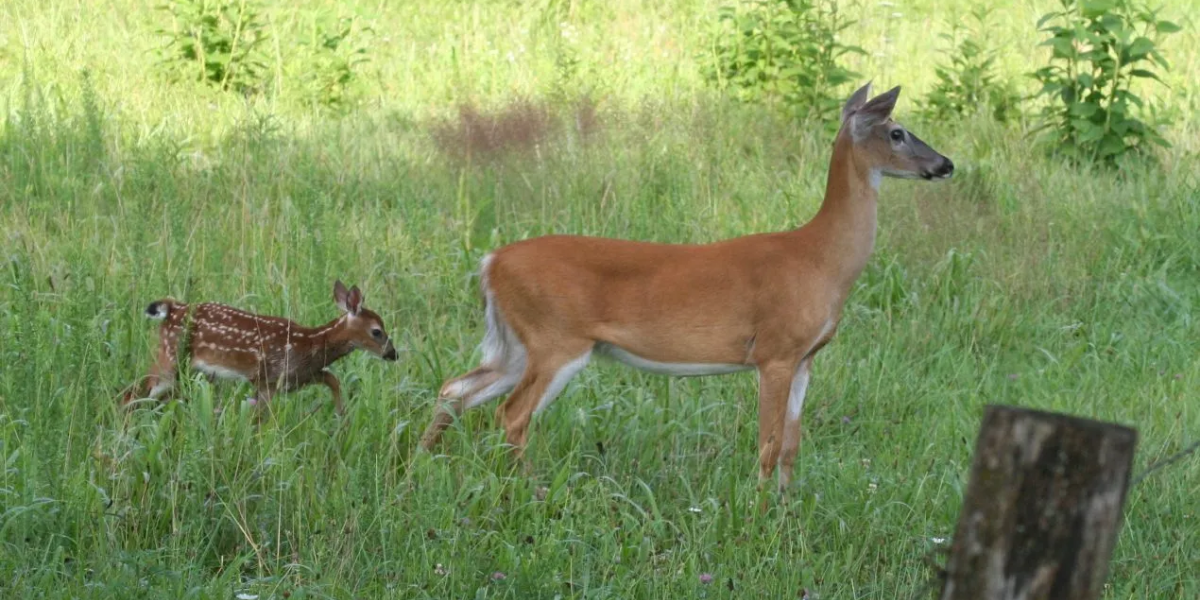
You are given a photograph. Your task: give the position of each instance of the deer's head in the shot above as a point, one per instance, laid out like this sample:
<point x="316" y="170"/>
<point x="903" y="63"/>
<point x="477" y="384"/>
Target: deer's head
<point x="364" y="328"/>
<point x="884" y="146"/>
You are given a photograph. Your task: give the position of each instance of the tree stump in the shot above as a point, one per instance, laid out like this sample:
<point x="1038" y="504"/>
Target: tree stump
<point x="1043" y="508"/>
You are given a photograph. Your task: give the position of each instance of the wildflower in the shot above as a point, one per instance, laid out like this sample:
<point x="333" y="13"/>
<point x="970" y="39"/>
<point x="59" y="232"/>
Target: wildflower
<point x="706" y="578"/>
<point x="498" y="576"/>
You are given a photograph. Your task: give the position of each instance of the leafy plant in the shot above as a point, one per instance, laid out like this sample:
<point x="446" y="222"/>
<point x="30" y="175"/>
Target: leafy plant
<point x="969" y="81"/>
<point x="216" y="42"/>
<point x="336" y="58"/>
<point x="1098" y="49"/>
<point x="783" y="51"/>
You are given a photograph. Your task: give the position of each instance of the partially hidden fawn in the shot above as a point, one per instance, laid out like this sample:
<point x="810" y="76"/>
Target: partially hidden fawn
<point x="272" y="353"/>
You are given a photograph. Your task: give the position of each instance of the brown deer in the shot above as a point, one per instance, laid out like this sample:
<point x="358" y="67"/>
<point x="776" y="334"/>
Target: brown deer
<point x="272" y="353"/>
<point x="767" y="302"/>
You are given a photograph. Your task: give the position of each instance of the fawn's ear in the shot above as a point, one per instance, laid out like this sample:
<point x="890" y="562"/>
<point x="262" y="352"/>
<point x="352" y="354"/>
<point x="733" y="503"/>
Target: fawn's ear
<point x="356" y="299"/>
<point x="348" y="300"/>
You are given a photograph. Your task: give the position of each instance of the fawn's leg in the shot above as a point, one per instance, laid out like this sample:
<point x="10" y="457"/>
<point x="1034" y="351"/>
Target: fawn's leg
<point x="161" y="378"/>
<point x="263" y="394"/>
<point x="331" y="381"/>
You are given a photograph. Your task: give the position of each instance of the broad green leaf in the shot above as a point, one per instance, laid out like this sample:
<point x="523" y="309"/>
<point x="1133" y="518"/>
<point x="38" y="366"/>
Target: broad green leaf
<point x="1157" y="139"/>
<point x="1046" y="17"/>
<point x="1114" y="25"/>
<point x="1093" y="8"/>
<point x="1084" y="110"/>
<point x="1111" y="146"/>
<point x="1141" y="47"/>
<point x="1145" y="74"/>
<point x="1166" y="27"/>
<point x="1087" y="131"/>
<point x="1063" y="47"/>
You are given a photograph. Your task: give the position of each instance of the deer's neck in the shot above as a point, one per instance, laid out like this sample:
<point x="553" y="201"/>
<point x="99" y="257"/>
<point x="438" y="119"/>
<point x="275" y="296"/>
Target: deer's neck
<point x="327" y="344"/>
<point x="846" y="222"/>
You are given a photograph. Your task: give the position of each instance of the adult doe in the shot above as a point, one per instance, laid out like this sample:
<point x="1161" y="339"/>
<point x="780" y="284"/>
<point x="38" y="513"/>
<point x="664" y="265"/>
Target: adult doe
<point x="767" y="302"/>
<point x="272" y="353"/>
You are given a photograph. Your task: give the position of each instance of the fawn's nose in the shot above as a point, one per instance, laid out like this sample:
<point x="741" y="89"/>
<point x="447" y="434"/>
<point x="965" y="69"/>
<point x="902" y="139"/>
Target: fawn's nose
<point x="390" y="354"/>
<point x="945" y="169"/>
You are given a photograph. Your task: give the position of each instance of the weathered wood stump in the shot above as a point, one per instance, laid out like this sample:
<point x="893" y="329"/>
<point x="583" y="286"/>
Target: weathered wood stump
<point x="1043" y="508"/>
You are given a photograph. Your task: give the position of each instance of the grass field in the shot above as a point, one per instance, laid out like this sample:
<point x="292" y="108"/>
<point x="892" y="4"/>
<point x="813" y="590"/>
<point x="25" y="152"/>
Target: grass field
<point x="1024" y="280"/>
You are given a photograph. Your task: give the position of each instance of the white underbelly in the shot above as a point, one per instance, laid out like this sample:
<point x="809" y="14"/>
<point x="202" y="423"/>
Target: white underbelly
<point x="664" y="368"/>
<point x="217" y="371"/>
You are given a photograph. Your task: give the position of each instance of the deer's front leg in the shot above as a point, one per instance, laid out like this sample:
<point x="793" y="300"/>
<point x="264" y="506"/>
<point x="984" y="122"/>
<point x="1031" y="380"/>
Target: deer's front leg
<point x="331" y="381"/>
<point x="159" y="382"/>
<point x="262" y="397"/>
<point x="791" y="422"/>
<point x="774" y="386"/>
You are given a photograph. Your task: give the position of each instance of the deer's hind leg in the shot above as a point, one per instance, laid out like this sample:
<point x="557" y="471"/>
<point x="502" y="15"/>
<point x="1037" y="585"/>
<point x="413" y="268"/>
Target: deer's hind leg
<point x="545" y="377"/>
<point x="504" y="358"/>
<point x="467" y="391"/>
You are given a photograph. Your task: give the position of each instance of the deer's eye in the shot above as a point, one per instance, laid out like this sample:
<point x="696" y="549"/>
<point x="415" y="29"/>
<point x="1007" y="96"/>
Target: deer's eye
<point x="897" y="135"/>
<point x="377" y="333"/>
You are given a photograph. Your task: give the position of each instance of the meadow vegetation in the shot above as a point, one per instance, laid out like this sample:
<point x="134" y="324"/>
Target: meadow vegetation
<point x="1031" y="279"/>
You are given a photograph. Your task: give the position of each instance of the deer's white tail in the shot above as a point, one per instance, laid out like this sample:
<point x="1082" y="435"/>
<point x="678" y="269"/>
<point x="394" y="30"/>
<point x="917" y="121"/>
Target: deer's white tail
<point x="501" y="348"/>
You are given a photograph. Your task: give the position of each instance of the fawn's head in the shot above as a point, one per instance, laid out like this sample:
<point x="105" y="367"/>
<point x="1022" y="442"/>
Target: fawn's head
<point x="364" y="328"/>
<point x="883" y="145"/>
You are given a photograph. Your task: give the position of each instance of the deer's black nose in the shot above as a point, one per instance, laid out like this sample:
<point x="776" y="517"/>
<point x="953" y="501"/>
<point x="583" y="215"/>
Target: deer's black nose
<point x="390" y="354"/>
<point x="945" y="169"/>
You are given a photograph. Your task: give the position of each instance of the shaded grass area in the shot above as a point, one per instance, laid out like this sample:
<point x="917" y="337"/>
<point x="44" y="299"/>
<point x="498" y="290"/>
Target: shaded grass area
<point x="1021" y="281"/>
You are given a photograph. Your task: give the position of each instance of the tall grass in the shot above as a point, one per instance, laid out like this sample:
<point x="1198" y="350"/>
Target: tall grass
<point x="1022" y="281"/>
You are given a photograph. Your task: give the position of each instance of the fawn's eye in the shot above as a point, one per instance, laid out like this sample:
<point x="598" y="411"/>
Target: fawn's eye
<point x="897" y="135"/>
<point x="377" y="333"/>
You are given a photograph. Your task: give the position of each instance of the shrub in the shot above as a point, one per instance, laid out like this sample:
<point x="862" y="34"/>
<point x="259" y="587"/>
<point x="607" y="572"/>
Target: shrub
<point x="216" y="42"/>
<point x="335" y="59"/>
<point x="1098" y="48"/>
<point x="783" y="51"/>
<point x="969" y="82"/>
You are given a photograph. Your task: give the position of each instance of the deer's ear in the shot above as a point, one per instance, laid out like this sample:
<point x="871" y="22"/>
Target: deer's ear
<point x="356" y="300"/>
<point x="878" y="110"/>
<point x="856" y="101"/>
<point x="342" y="297"/>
